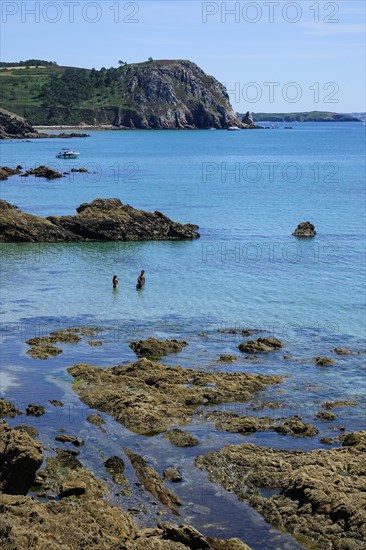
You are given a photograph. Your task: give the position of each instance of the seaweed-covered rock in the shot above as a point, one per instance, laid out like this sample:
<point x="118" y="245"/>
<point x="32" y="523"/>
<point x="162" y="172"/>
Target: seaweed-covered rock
<point x="153" y="347"/>
<point x="148" y="397"/>
<point x="323" y="361"/>
<point x="179" y="438"/>
<point x="318" y="495"/>
<point x="20" y="458"/>
<point x="261" y="345"/>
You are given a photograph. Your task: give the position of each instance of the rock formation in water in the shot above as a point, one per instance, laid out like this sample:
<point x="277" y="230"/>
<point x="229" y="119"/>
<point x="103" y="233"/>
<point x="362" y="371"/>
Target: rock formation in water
<point x="100" y="220"/>
<point x="305" y="229"/>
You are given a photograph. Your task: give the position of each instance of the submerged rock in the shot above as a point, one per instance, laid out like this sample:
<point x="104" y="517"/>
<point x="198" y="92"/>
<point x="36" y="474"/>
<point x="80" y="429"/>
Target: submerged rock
<point x="323" y="361"/>
<point x="326" y="415"/>
<point x="156" y="348"/>
<point x="153" y="482"/>
<point x="261" y="345"/>
<point x="305" y="229"/>
<point x="65" y="438"/>
<point x="172" y="474"/>
<point x="100" y="220"/>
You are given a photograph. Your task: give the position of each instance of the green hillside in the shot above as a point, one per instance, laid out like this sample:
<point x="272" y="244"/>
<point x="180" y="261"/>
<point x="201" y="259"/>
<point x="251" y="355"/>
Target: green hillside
<point x="153" y="94"/>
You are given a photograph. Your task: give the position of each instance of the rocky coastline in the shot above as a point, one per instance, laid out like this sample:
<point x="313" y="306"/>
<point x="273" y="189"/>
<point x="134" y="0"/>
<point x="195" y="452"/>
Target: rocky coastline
<point x="99" y="220"/>
<point x="317" y="496"/>
<point x="15" y="127"/>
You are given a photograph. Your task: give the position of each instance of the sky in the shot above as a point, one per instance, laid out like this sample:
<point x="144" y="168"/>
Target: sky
<point x="273" y="56"/>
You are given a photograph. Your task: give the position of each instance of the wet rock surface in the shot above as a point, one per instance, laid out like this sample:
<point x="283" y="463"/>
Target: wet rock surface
<point x="148" y="397"/>
<point x="154" y="348"/>
<point x="8" y="409"/>
<point x="261" y="345"/>
<point x="43" y="172"/>
<point x="66" y="438"/>
<point x="180" y="438"/>
<point x="346" y="351"/>
<point x="33" y="409"/>
<point x="100" y="220"/>
<point x="305" y="229"/>
<point x="152" y="482"/>
<point x="317" y="495"/>
<point x="324" y="361"/>
<point x="20" y="458"/>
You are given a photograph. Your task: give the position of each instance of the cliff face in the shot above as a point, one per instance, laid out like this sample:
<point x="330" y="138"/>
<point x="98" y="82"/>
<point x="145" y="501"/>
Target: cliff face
<point x="164" y="94"/>
<point x="174" y="94"/>
<point x="12" y="126"/>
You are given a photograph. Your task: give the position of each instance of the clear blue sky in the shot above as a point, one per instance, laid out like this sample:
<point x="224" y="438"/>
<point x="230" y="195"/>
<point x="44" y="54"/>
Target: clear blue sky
<point x="317" y="46"/>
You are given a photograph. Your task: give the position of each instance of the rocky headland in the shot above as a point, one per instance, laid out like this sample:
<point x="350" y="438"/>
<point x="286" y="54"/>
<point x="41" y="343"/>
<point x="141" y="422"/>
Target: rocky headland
<point x="99" y="220"/>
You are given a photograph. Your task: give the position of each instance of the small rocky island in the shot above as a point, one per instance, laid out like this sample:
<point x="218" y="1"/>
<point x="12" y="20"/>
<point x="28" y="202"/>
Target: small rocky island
<point x="305" y="229"/>
<point x="99" y="220"/>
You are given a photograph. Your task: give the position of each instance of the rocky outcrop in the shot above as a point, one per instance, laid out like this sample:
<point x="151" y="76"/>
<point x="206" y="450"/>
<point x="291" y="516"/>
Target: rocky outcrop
<point x="15" y="127"/>
<point x="179" y="438"/>
<point x="305" y="229"/>
<point x="20" y="458"/>
<point x="152" y="482"/>
<point x="154" y="348"/>
<point x="261" y="345"/>
<point x="100" y="220"/>
<point x="173" y="94"/>
<point x="318" y="496"/>
<point x="148" y="397"/>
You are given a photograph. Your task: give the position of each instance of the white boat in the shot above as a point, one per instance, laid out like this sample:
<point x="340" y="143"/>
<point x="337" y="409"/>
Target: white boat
<point x="233" y="128"/>
<point x="67" y="154"/>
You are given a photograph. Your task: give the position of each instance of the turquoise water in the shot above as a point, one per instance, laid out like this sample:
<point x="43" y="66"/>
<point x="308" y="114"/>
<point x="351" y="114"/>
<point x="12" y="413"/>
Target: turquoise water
<point x="247" y="191"/>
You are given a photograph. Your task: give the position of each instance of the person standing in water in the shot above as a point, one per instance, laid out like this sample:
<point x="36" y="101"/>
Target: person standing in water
<point x="115" y="281"/>
<point x="141" y="280"/>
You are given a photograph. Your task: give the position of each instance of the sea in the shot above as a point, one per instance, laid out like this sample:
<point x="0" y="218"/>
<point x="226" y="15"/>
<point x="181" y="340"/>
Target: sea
<point x="247" y="191"/>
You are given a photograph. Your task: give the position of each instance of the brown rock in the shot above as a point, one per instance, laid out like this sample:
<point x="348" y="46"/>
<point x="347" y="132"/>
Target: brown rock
<point x="261" y="345"/>
<point x="148" y="397"/>
<point x="35" y="410"/>
<point x="100" y="220"/>
<point x="8" y="409"/>
<point x="20" y="458"/>
<point x="172" y="474"/>
<point x="297" y="428"/>
<point x="326" y="415"/>
<point x="185" y="534"/>
<point x="179" y="438"/>
<point x="153" y="482"/>
<point x="72" y="488"/>
<point x="154" y="348"/>
<point x="319" y="494"/>
<point x="305" y="229"/>
<point x="65" y="438"/>
<point x="323" y="361"/>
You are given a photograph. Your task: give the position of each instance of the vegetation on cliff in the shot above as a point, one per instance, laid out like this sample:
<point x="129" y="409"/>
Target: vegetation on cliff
<point x="164" y="94"/>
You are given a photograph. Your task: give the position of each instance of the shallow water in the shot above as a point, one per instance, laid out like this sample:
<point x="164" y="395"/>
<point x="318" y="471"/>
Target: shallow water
<point x="246" y="271"/>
